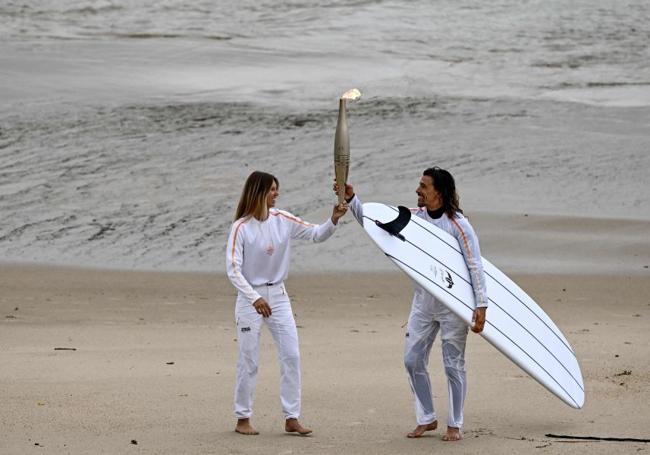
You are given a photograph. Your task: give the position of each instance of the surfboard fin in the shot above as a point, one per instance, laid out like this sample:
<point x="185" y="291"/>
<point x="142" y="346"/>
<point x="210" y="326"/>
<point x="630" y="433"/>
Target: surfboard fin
<point x="395" y="227"/>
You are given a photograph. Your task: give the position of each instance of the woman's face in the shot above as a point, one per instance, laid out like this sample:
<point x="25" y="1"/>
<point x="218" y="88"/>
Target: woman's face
<point x="273" y="195"/>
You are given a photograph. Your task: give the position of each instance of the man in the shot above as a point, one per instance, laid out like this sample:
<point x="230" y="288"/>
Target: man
<point x="438" y="204"/>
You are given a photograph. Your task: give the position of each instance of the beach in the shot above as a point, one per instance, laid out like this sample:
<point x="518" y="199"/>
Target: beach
<point x="96" y="361"/>
<point x="128" y="128"/>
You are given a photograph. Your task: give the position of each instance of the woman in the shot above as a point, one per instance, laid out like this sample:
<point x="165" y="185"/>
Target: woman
<point x="257" y="262"/>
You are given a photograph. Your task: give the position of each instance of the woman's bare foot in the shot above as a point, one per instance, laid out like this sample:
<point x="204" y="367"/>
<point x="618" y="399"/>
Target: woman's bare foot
<point x="453" y="434"/>
<point x="293" y="426"/>
<point x="244" y="427"/>
<point x="420" y="429"/>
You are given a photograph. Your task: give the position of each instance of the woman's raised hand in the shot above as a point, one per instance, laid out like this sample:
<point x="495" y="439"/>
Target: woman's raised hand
<point x="338" y="211"/>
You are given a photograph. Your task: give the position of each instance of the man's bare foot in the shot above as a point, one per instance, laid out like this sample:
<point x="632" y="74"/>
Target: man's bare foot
<point x="293" y="426"/>
<point x="453" y="434"/>
<point x="420" y="429"/>
<point x="244" y="427"/>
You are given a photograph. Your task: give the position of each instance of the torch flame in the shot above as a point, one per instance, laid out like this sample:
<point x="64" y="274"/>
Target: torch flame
<point x="351" y="95"/>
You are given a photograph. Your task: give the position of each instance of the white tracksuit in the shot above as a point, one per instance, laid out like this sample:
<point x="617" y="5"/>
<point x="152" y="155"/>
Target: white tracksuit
<point x="257" y="263"/>
<point x="429" y="316"/>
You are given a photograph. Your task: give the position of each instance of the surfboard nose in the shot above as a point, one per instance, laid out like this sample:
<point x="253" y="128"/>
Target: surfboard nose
<point x="574" y="396"/>
<point x="579" y="400"/>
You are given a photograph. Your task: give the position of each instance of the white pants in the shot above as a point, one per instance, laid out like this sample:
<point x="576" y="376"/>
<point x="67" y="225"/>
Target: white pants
<point x="283" y="328"/>
<point x="426" y="319"/>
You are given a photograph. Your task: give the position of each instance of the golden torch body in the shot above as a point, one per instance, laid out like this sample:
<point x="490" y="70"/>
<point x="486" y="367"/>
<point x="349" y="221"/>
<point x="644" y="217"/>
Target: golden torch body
<point x="342" y="144"/>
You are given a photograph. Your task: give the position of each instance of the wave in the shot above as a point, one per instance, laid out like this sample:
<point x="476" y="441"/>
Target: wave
<point x="597" y="84"/>
<point x="94" y="10"/>
<point x="27" y="11"/>
<point x="615" y="84"/>
<point x="161" y="35"/>
<point x="572" y="62"/>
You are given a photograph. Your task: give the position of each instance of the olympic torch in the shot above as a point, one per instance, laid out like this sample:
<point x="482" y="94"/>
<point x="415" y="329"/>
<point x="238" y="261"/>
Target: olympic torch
<point x="342" y="143"/>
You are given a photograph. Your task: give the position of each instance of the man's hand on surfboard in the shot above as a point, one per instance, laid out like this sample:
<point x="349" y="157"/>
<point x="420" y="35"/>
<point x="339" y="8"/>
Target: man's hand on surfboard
<point x="478" y="320"/>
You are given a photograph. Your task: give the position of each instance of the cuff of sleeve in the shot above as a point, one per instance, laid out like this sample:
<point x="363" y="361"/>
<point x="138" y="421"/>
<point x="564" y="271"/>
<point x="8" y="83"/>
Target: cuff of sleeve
<point x="330" y="225"/>
<point x="350" y="200"/>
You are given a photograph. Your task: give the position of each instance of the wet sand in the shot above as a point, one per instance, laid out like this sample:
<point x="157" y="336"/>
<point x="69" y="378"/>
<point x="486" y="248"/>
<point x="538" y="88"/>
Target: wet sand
<point x="154" y="357"/>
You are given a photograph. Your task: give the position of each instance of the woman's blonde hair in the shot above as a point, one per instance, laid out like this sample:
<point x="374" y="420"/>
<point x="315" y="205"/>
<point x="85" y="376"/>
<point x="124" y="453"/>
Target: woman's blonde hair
<point x="253" y="197"/>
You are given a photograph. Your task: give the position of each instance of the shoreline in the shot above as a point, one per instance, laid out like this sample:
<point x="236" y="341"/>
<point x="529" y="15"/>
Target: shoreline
<point x="517" y="243"/>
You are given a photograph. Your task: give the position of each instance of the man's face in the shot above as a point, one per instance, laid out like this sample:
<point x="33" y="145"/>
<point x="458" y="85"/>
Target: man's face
<point x="428" y="196"/>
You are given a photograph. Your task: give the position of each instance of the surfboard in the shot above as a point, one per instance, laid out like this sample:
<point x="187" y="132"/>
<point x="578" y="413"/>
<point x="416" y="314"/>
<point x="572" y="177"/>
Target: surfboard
<point x="515" y="324"/>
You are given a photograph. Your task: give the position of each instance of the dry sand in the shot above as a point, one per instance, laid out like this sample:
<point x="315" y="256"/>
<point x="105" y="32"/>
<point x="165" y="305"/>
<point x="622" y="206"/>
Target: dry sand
<point x="155" y="357"/>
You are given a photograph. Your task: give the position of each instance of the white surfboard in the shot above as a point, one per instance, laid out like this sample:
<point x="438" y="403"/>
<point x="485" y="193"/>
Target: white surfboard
<point x="515" y="324"/>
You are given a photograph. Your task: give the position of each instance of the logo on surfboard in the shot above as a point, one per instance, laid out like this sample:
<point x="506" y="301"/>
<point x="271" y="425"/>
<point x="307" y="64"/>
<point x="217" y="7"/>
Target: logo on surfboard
<point x="449" y="281"/>
<point x="442" y="275"/>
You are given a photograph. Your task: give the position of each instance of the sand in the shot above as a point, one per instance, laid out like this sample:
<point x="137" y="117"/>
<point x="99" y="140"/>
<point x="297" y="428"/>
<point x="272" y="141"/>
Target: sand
<point x="152" y="370"/>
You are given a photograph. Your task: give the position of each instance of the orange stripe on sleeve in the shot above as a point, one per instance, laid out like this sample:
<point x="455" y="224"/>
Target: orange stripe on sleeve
<point x="234" y="241"/>
<point x="295" y="220"/>
<point x="475" y="281"/>
<point x="462" y="234"/>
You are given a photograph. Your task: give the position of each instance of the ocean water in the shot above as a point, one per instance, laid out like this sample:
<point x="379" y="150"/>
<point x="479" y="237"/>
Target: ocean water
<point x="592" y="51"/>
<point x="128" y="127"/>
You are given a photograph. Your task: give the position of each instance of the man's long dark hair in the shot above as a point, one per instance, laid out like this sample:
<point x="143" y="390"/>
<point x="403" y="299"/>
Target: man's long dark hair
<point x="444" y="183"/>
